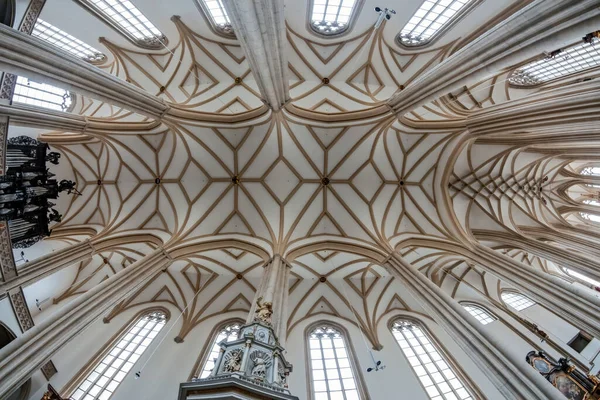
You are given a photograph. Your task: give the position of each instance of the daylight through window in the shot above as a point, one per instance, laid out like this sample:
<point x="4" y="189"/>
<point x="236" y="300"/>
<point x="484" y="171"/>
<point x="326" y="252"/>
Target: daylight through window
<point x="517" y="301"/>
<point x="568" y="62"/>
<point x="110" y="372"/>
<point x="63" y="40"/>
<point x="331" y="370"/>
<point x="330" y="17"/>
<point x="229" y="333"/>
<point x="480" y="313"/>
<point x="41" y="95"/>
<point x="218" y="15"/>
<point x="436" y="376"/>
<point x="430" y="19"/>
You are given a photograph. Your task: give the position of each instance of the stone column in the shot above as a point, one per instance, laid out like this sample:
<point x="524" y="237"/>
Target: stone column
<point x="274" y="289"/>
<point x="514" y="378"/>
<point x="543" y="25"/>
<point x="48" y="264"/>
<point x="259" y="26"/>
<point x="21" y="54"/>
<point x="570" y="302"/>
<point x="30" y="351"/>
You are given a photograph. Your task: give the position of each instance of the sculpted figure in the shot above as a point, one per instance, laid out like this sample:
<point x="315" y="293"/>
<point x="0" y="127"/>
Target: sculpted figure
<point x="264" y="311"/>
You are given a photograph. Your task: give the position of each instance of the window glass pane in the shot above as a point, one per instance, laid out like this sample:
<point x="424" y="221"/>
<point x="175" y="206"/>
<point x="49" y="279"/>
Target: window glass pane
<point x="517" y="301"/>
<point x="218" y="15"/>
<point x="590" y="217"/>
<point x="569" y="61"/>
<point x="429" y="19"/>
<point x="64" y="41"/>
<point x="130" y="20"/>
<point x="479" y="313"/>
<point x="41" y="95"/>
<point x="331" y="17"/>
<point x="581" y="276"/>
<point x="229" y="333"/>
<point x="101" y="383"/>
<point x="433" y="372"/>
<point x="331" y="371"/>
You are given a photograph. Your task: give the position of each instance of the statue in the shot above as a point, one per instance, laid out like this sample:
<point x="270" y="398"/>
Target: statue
<point x="69" y="186"/>
<point x="264" y="311"/>
<point x="233" y="361"/>
<point x="260" y="368"/>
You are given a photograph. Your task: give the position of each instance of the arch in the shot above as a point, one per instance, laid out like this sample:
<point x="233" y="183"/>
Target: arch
<point x="432" y="19"/>
<point x="436" y="371"/>
<point x="7" y="12"/>
<point x="332" y="361"/>
<point x="145" y="325"/>
<point x="327" y="18"/>
<point x="211" y="346"/>
<point x="372" y="254"/>
<point x="7" y="336"/>
<point x="188" y="249"/>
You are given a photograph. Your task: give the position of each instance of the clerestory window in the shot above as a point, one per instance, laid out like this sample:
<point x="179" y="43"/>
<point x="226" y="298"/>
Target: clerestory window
<point x="104" y="379"/>
<point x="41" y="95"/>
<point x="435" y="374"/>
<point x="431" y="19"/>
<point x="64" y="41"/>
<point x="481" y="314"/>
<point x="331" y="368"/>
<point x="228" y="332"/>
<point x="569" y="61"/>
<point x="128" y="20"/>
<point x="517" y="300"/>
<point x="332" y="17"/>
<point x="217" y="15"/>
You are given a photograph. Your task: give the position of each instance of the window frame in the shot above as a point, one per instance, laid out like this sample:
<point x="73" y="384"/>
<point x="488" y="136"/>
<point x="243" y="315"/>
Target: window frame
<point x="71" y="387"/>
<point x="358" y="5"/>
<point x="68" y="109"/>
<point x="520" y="294"/>
<point x="464" y="379"/>
<point x="354" y="364"/>
<point x="143" y="43"/>
<point x="206" y="14"/>
<point x="572" y="75"/>
<point x="443" y="30"/>
<point x="208" y="345"/>
<point x="476" y="305"/>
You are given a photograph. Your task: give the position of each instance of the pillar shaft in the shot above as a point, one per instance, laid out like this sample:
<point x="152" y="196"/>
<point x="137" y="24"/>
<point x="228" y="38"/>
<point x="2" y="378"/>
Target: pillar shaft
<point x="30" y="351"/>
<point x="514" y="378"/>
<point x="21" y="54"/>
<point x="260" y="27"/>
<point x="43" y="266"/>
<point x="543" y="25"/>
<point x="274" y="288"/>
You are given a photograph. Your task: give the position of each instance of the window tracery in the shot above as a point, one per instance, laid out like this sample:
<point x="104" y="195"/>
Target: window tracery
<point x="567" y="62"/>
<point x="217" y="15"/>
<point x="581" y="276"/>
<point x="111" y="370"/>
<point x="331" y="17"/>
<point x="517" y="300"/>
<point x="331" y="370"/>
<point x="431" y="19"/>
<point x="433" y="371"/>
<point x="64" y="41"/>
<point x="479" y="313"/>
<point x="41" y="95"/>
<point x="127" y="19"/>
<point x="228" y="332"/>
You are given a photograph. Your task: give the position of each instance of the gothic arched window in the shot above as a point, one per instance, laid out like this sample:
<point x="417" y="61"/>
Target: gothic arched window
<point x="227" y="332"/>
<point x="481" y="314"/>
<point x="517" y="300"/>
<point x="217" y="16"/>
<point x="64" y="41"/>
<point x="434" y="372"/>
<point x="431" y="19"/>
<point x="569" y="61"/>
<point x="581" y="276"/>
<point x="41" y="95"/>
<point x="332" y="370"/>
<point x="120" y="359"/>
<point x="332" y="17"/>
<point x="123" y="16"/>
